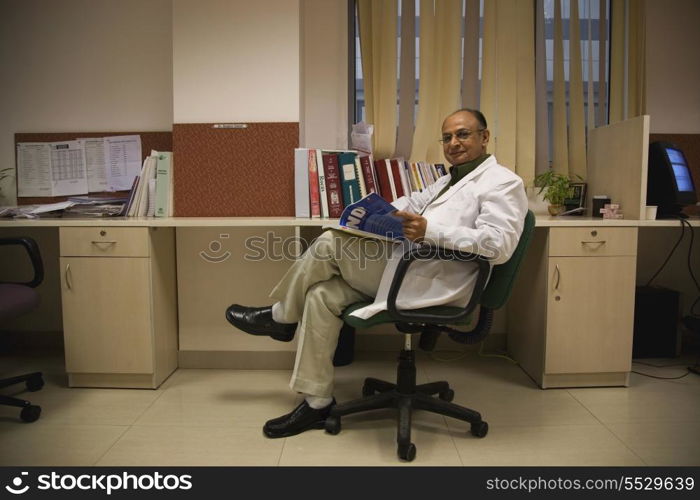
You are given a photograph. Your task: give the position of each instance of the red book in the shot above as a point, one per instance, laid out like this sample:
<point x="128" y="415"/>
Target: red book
<point x="398" y="183"/>
<point x="313" y="185"/>
<point x="367" y="174"/>
<point x="334" y="189"/>
<point x="383" y="179"/>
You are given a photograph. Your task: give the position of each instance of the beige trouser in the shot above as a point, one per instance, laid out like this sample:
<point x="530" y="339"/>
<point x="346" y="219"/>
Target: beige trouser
<point x="337" y="270"/>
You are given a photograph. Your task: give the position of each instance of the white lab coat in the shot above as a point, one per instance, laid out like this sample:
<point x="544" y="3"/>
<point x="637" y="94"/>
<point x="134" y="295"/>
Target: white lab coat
<point x="483" y="213"/>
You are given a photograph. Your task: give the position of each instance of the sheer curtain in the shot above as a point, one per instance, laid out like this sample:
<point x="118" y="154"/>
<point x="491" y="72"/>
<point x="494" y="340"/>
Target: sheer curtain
<point x="508" y="83"/>
<point x="538" y="69"/>
<point x="628" y="65"/>
<point x="378" y="23"/>
<point x="440" y="74"/>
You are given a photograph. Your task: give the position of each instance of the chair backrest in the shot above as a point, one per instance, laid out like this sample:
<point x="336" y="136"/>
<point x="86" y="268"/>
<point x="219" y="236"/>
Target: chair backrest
<point x="17" y="298"/>
<point x="503" y="276"/>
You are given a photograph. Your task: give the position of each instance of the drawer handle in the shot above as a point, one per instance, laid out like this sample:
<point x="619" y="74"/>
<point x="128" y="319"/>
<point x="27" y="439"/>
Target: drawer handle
<point x="601" y="242"/>
<point x="104" y="242"/>
<point x="68" y="275"/>
<point x="556" y="270"/>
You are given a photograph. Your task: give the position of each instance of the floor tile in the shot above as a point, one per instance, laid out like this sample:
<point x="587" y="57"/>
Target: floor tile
<point x="646" y="400"/>
<point x="214" y="417"/>
<point x="583" y="445"/>
<point x="74" y="406"/>
<point x="41" y="443"/>
<point x="365" y="441"/>
<point x="481" y="373"/>
<point x="222" y="398"/>
<point x="551" y="407"/>
<point x="186" y="445"/>
<point x="662" y="443"/>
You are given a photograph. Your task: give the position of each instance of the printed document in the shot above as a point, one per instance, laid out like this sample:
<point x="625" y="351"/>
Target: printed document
<point x="95" y="163"/>
<point x="51" y="169"/>
<point x="123" y="156"/>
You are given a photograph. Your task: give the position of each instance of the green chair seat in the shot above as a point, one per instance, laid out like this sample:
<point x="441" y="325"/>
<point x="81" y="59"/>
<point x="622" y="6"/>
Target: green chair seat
<point x="385" y="317"/>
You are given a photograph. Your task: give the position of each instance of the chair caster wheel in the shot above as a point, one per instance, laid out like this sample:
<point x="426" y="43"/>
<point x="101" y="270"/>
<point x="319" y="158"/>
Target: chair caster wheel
<point x="367" y="391"/>
<point x="332" y="425"/>
<point x="447" y="395"/>
<point x="30" y="413"/>
<point x="35" y="383"/>
<point x="406" y="452"/>
<point x="480" y="429"/>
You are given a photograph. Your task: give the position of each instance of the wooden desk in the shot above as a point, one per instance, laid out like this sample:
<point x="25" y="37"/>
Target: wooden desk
<point x="569" y="319"/>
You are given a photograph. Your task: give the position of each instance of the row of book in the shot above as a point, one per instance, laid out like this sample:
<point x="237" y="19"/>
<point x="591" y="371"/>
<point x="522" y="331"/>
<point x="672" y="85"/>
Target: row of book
<point x="152" y="189"/>
<point x="326" y="181"/>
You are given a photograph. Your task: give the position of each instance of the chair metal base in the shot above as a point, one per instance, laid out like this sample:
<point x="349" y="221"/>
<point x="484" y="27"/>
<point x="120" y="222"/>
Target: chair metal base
<point x="405" y="396"/>
<point x="34" y="382"/>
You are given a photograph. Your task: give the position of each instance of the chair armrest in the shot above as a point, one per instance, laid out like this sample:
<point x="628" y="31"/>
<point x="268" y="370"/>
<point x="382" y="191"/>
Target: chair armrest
<point x="34" y="256"/>
<point x="426" y="252"/>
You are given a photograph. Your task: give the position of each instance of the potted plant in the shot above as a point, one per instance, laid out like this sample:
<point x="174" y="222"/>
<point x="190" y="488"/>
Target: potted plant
<point x="556" y="187"/>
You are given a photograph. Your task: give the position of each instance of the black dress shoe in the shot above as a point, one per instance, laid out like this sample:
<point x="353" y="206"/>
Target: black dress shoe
<point x="258" y="321"/>
<point x="302" y="418"/>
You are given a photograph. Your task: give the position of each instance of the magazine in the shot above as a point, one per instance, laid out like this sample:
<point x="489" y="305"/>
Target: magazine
<point x="372" y="217"/>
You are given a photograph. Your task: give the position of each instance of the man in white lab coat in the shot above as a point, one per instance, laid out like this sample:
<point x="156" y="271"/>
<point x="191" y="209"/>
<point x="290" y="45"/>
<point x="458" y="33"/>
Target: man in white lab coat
<point x="480" y="208"/>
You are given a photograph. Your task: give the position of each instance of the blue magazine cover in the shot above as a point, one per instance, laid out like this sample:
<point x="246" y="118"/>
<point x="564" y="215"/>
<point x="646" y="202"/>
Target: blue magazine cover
<point x="371" y="217"/>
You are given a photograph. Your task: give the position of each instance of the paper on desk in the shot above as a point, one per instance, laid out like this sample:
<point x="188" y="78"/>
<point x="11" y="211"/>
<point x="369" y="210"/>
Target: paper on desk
<point x="33" y="169"/>
<point x="51" y="169"/>
<point x="123" y="154"/>
<point x="49" y="207"/>
<point x="95" y="163"/>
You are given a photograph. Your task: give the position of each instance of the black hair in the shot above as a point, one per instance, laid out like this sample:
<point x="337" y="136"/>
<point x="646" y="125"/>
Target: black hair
<point x="477" y="114"/>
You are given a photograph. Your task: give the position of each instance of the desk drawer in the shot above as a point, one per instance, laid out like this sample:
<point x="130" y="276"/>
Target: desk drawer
<point x="592" y="241"/>
<point x="104" y="241"/>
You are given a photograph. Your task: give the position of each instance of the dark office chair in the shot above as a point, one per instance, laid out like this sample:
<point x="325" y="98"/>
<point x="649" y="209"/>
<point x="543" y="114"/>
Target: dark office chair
<point x="430" y="322"/>
<point x="17" y="299"/>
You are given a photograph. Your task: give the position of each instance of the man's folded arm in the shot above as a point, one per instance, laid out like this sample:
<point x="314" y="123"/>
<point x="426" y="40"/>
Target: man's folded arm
<point x="497" y="229"/>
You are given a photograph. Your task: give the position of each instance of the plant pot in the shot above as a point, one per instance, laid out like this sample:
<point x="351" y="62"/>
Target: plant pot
<point x="555" y="209"/>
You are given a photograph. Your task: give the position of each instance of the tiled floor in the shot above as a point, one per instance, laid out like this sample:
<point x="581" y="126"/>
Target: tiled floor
<point x="214" y="417"/>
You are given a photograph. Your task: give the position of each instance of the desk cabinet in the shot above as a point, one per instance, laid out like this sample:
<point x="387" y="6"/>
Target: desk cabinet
<point x="571" y="316"/>
<point x="119" y="305"/>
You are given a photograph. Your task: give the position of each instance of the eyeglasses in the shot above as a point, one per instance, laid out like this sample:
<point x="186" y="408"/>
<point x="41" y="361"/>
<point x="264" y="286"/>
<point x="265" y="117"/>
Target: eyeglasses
<point x="461" y="135"/>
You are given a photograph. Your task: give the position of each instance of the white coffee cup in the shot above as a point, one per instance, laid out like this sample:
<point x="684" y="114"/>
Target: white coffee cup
<point x="650" y="212"/>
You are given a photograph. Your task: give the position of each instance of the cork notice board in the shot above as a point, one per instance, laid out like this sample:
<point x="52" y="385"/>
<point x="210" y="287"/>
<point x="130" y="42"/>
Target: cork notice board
<point x="234" y="172"/>
<point x="160" y="141"/>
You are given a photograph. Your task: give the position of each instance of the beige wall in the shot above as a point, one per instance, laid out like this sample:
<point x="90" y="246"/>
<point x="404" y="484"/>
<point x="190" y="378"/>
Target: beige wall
<point x="85" y="66"/>
<point x="77" y="65"/>
<point x="324" y="74"/>
<point x="673" y="102"/>
<point x="235" y="60"/>
<point x="673" y="66"/>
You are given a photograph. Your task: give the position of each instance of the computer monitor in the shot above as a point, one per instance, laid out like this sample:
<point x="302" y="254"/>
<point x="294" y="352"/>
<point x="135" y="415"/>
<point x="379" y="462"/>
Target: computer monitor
<point x="670" y="185"/>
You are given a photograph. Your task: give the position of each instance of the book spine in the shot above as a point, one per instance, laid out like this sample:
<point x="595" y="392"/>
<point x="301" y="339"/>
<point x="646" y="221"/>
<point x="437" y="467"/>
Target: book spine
<point x="321" y="184"/>
<point x="360" y="177"/>
<point x="411" y="178"/>
<point x="333" y="185"/>
<point x="314" y="198"/>
<point x="130" y="201"/>
<point x="424" y="173"/>
<point x="301" y="183"/>
<point x="350" y="184"/>
<point x="417" y="176"/>
<point x="407" y="189"/>
<point x="368" y="174"/>
<point x="163" y="169"/>
<point x="390" y="174"/>
<point x="383" y="178"/>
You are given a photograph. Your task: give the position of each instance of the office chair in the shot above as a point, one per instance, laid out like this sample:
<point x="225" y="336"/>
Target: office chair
<point x="17" y="298"/>
<point x="405" y="395"/>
